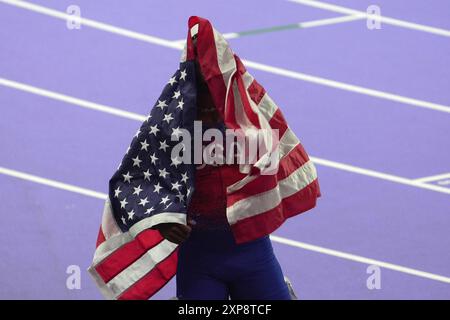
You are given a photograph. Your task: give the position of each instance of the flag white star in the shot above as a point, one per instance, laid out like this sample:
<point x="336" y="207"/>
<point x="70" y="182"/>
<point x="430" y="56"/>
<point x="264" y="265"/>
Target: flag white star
<point x="131" y="215"/>
<point x="163" y="173"/>
<point x="154" y="129"/>
<point x="168" y="117"/>
<point x="175" y="162"/>
<point x="180" y="104"/>
<point x="176" y="132"/>
<point x="148" y="117"/>
<point x="180" y="196"/>
<point x="164" y="200"/>
<point x="183" y="75"/>
<point x="157" y="187"/>
<point x="137" y="161"/>
<point x="163" y="145"/>
<point x="147" y="175"/>
<point x="172" y="81"/>
<point x="127" y="177"/>
<point x="117" y="192"/>
<point x="137" y="133"/>
<point x="137" y="190"/>
<point x="123" y="203"/>
<point x="176" y="94"/>
<point x="144" y="145"/>
<point x="176" y="186"/>
<point x="149" y="210"/>
<point x="143" y="202"/>
<point x="123" y="220"/>
<point x="153" y="158"/>
<point x="184" y="177"/>
<point x="161" y="104"/>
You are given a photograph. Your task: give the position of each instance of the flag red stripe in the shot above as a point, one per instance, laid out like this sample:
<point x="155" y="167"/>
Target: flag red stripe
<point x="265" y="223"/>
<point x="251" y="115"/>
<point x="230" y="174"/>
<point x="153" y="281"/>
<point x="278" y="122"/>
<point x="230" y="115"/>
<point x="209" y="64"/>
<point x="127" y="254"/>
<point x="256" y="91"/>
<point x="100" y="237"/>
<point x="239" y="65"/>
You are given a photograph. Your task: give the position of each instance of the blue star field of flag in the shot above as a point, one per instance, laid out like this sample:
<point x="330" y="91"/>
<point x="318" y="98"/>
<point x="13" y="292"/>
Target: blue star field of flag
<point x="149" y="181"/>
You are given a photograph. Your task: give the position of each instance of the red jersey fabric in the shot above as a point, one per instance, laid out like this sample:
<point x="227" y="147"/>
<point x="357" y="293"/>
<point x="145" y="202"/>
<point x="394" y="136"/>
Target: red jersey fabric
<point x="208" y="204"/>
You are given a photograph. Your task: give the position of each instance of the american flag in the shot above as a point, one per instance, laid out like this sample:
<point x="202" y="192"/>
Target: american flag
<point x="132" y="260"/>
<point x="151" y="186"/>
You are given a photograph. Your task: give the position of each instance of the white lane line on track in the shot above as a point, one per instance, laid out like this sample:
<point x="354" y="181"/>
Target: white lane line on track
<point x="347" y="87"/>
<point x="433" y="178"/>
<point x="250" y="64"/>
<point x="139" y="117"/>
<point x="92" y="23"/>
<point x="379" y="175"/>
<point x="360" y="259"/>
<point x="52" y="183"/>
<point x="381" y="18"/>
<point x="331" y="21"/>
<point x="71" y="100"/>
<point x="301" y="25"/>
<point x="285" y="241"/>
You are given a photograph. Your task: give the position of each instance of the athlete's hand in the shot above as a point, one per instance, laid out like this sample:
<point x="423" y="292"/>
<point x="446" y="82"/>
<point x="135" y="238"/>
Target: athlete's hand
<point x="174" y="232"/>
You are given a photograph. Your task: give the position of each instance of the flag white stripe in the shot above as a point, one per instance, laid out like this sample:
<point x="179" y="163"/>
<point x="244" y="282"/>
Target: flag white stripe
<point x="115" y="242"/>
<point x="262" y="202"/>
<point x="239" y="113"/>
<point x="110" y="246"/>
<point x="248" y="79"/>
<point x="288" y="142"/>
<point x="244" y="123"/>
<point x="267" y="106"/>
<point x="104" y="289"/>
<point x="110" y="227"/>
<point x="225" y="57"/>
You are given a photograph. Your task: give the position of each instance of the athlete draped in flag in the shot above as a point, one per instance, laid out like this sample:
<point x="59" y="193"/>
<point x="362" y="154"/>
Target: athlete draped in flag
<point x="208" y="222"/>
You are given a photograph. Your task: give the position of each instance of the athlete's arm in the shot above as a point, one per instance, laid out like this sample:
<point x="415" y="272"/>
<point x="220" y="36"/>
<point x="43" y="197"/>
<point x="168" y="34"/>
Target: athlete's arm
<point x="174" y="232"/>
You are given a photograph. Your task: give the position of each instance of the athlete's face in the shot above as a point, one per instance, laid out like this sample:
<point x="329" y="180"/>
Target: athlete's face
<point x="204" y="98"/>
<point x="206" y="110"/>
